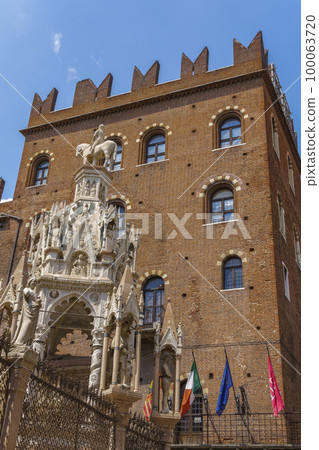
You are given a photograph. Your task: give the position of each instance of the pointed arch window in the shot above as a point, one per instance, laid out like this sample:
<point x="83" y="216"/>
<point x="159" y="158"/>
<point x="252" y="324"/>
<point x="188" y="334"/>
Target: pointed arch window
<point x="233" y="273"/>
<point x="153" y="291"/>
<point x="230" y="132"/>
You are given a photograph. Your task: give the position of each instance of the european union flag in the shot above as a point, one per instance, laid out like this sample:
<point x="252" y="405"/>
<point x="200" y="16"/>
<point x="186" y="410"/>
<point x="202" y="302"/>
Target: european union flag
<point x="226" y="384"/>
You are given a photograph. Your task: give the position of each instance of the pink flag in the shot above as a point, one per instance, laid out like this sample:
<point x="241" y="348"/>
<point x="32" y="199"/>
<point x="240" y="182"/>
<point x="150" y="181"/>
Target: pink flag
<point x="276" y="400"/>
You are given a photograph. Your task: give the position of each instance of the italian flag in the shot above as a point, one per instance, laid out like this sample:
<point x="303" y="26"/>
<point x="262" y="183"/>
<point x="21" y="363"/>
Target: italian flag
<point x="192" y="386"/>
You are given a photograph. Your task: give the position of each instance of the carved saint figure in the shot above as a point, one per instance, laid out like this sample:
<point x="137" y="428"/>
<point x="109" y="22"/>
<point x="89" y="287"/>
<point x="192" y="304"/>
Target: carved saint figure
<point x="29" y="316"/>
<point x="123" y="357"/>
<point x="93" y="189"/>
<point x="79" y="266"/>
<point x="87" y="188"/>
<point x="166" y="381"/>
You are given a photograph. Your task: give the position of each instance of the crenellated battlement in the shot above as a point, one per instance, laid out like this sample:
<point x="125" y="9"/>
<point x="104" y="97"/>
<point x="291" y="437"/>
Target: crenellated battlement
<point x="246" y="59"/>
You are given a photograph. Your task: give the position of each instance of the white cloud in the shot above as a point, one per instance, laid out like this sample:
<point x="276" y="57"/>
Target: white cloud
<point x="72" y="73"/>
<point x="5" y="200"/>
<point x="57" y="38"/>
<point x="96" y="61"/>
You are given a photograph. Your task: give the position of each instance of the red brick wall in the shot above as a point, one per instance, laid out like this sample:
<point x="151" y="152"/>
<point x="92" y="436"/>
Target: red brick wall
<point x="208" y="322"/>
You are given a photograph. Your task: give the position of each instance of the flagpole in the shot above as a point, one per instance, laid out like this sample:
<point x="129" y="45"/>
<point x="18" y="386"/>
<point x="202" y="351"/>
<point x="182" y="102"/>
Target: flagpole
<point x="206" y="407"/>
<point x="237" y="406"/>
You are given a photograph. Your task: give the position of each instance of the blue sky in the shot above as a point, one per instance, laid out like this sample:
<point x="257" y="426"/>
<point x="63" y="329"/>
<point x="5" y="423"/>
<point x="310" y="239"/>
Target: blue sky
<point x="47" y="44"/>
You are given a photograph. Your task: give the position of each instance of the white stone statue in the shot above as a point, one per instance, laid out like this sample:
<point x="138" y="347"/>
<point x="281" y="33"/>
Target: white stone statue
<point x="79" y="267"/>
<point x="98" y="149"/>
<point x="29" y="316"/>
<point x="166" y="381"/>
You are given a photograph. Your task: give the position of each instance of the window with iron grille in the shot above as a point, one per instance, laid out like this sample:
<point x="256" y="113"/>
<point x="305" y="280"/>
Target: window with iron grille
<point x="191" y="425"/>
<point x="233" y="273"/>
<point x="230" y="132"/>
<point x="153" y="301"/>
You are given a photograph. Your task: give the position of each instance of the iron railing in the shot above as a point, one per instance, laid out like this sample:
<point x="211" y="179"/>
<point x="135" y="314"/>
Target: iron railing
<point x="140" y="434"/>
<point x="282" y="100"/>
<point x="61" y="413"/>
<point x="4" y="370"/>
<point x="237" y="429"/>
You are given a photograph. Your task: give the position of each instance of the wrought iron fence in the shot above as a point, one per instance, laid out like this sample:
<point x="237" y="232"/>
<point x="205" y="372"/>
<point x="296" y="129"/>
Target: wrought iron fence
<point x="60" y="413"/>
<point x="4" y="382"/>
<point x="237" y="429"/>
<point x="4" y="373"/>
<point x="142" y="435"/>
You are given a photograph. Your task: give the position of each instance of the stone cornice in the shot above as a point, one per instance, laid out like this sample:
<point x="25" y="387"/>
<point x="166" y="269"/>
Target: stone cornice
<point x="76" y="284"/>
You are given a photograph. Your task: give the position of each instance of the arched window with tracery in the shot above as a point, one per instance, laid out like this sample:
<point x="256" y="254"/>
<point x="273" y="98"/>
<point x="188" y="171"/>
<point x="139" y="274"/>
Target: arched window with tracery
<point x="232" y="273"/>
<point x="155" y="148"/>
<point x="220" y="204"/>
<point x="230" y="132"/>
<point x="153" y="291"/>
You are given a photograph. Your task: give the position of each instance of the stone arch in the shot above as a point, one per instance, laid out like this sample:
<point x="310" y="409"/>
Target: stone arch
<point x="119" y="136"/>
<point x="223" y="114"/>
<point x="227" y="109"/>
<point x="152" y="273"/>
<point x="227" y="177"/>
<point x="232" y="252"/>
<point x="70" y="312"/>
<point x="121" y="198"/>
<point x="41" y="153"/>
<point x="32" y="165"/>
<point x="149" y="128"/>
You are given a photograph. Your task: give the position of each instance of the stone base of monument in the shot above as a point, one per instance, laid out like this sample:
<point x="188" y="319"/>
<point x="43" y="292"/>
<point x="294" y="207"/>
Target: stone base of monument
<point x="23" y="354"/>
<point x="166" y="422"/>
<point x="124" y="400"/>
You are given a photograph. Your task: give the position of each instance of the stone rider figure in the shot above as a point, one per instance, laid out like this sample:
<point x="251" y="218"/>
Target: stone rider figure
<point x="98" y="138"/>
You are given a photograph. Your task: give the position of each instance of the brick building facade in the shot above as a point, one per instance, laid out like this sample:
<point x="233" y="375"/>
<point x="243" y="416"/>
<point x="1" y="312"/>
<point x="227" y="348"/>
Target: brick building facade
<point x="261" y="171"/>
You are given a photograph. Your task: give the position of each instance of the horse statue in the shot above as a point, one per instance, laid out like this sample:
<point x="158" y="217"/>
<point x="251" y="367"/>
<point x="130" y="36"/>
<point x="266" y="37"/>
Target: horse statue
<point x="106" y="150"/>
